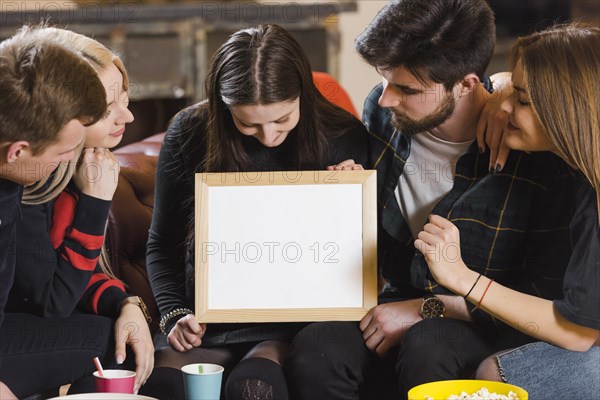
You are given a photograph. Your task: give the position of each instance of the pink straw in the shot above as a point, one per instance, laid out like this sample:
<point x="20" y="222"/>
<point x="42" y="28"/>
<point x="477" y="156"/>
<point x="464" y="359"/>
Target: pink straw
<point x="98" y="366"/>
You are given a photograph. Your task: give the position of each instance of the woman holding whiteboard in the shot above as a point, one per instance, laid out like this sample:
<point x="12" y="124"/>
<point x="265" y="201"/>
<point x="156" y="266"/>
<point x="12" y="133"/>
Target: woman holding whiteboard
<point x="263" y="113"/>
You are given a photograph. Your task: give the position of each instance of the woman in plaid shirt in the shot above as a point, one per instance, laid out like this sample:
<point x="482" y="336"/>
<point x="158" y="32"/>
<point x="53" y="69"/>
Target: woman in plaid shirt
<point x="555" y="107"/>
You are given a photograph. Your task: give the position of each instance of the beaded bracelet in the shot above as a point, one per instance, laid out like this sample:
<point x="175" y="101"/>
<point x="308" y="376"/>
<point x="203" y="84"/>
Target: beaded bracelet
<point x="472" y="287"/>
<point x="170" y="315"/>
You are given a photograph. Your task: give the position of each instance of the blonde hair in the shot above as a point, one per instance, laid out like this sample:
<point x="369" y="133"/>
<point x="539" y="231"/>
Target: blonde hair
<point x="561" y="67"/>
<point x="100" y="58"/>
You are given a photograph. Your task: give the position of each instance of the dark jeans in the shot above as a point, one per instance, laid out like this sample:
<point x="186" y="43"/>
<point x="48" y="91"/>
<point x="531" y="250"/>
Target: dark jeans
<point x="38" y="354"/>
<point x="330" y="361"/>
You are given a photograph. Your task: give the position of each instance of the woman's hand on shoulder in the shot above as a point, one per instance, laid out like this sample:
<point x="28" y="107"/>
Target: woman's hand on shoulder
<point x="97" y="173"/>
<point x="347" y="165"/>
<point x="186" y="334"/>
<point x="132" y="329"/>
<point x="493" y="120"/>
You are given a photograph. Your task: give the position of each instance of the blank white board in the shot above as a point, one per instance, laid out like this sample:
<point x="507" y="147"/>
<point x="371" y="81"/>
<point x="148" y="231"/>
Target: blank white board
<point x="285" y="246"/>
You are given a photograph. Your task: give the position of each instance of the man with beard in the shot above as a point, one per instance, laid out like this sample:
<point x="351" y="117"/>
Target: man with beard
<point x="432" y="56"/>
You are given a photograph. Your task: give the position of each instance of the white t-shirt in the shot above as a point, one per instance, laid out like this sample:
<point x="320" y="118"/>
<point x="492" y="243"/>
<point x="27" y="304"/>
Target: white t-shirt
<point x="428" y="176"/>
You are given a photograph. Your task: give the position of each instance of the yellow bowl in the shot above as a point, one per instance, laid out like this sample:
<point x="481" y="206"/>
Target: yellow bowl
<point x="441" y="390"/>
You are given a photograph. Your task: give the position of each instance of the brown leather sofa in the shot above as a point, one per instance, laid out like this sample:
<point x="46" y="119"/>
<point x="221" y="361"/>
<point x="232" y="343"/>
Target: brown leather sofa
<point x="133" y="202"/>
<point x="130" y="216"/>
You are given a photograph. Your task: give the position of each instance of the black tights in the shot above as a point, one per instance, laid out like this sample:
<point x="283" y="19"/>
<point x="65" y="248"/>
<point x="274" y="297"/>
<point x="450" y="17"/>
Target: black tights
<point x="166" y="381"/>
<point x="256" y="379"/>
<point x="258" y="376"/>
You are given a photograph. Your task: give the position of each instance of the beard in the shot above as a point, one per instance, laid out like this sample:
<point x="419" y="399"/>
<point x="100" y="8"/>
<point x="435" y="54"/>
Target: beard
<point x="409" y="126"/>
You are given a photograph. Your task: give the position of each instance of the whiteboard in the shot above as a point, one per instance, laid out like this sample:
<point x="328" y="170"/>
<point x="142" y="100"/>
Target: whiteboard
<point x="285" y="246"/>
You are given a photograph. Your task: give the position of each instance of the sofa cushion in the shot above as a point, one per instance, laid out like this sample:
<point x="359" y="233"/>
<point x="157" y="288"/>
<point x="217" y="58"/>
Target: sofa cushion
<point x="130" y="217"/>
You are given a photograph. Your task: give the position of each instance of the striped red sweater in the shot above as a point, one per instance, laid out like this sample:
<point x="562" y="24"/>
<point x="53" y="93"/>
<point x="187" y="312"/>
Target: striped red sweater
<point x="58" y="246"/>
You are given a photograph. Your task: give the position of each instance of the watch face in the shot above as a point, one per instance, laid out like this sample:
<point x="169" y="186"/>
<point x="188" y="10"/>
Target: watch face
<point x="432" y="308"/>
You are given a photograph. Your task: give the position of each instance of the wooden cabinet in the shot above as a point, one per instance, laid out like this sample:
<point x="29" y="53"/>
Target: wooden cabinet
<point x="167" y="48"/>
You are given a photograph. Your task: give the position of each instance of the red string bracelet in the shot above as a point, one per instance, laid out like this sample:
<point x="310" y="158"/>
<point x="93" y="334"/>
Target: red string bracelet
<point x="483" y="295"/>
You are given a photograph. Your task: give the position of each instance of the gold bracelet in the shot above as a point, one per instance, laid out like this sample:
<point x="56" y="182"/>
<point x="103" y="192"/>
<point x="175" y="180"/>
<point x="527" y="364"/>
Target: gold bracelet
<point x="170" y="315"/>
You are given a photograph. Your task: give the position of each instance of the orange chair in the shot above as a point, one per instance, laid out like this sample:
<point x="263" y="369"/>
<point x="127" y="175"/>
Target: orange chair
<point x="333" y="91"/>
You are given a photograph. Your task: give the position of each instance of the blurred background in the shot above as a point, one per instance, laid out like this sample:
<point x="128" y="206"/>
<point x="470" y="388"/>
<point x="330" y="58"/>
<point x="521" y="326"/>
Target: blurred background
<point x="167" y="45"/>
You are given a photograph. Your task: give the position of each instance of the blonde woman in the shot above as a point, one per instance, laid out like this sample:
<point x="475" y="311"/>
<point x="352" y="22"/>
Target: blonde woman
<point x="556" y="108"/>
<point x="61" y="233"/>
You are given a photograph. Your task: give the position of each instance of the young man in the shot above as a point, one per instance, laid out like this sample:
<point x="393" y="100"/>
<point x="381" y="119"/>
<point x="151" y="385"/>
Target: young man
<point x="49" y="95"/>
<point x="432" y="57"/>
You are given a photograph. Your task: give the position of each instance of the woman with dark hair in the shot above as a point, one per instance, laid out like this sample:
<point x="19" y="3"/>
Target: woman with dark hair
<point x="555" y="107"/>
<point x="263" y="113"/>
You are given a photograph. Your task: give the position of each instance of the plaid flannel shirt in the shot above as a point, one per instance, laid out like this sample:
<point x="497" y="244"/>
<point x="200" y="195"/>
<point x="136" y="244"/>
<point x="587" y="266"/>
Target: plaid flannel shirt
<point x="514" y="225"/>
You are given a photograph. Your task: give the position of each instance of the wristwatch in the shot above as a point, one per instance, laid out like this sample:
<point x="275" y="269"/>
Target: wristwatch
<point x="138" y="301"/>
<point x="432" y="307"/>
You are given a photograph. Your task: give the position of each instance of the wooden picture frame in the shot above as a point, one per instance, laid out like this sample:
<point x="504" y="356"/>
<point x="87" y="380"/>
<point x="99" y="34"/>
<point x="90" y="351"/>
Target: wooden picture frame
<point x="286" y="246"/>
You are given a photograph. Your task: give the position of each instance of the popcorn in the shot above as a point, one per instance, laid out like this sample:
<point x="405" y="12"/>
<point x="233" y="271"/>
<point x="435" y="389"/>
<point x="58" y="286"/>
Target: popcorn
<point x="481" y="394"/>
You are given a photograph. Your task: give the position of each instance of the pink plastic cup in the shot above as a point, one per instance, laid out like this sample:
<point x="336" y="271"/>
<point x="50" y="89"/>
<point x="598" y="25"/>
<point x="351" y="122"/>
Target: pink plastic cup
<point x="115" y="381"/>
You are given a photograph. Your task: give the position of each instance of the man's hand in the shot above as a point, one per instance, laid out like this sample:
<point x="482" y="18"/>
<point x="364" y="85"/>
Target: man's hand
<point x="186" y="334"/>
<point x="384" y="326"/>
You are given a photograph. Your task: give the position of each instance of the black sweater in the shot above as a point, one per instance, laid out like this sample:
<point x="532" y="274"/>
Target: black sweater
<point x="581" y="287"/>
<point x="10" y="198"/>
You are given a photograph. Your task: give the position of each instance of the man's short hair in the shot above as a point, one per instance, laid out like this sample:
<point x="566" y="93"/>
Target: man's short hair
<point x="44" y="86"/>
<point x="439" y="40"/>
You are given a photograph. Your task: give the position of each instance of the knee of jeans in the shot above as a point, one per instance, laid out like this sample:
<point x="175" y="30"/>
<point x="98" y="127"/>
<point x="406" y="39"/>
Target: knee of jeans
<point x="425" y="341"/>
<point x="317" y="348"/>
<point x="306" y="350"/>
<point x="304" y="366"/>
<point x="488" y="370"/>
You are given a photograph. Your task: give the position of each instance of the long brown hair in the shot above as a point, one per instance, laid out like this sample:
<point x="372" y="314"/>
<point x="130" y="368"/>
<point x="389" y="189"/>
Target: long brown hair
<point x="561" y="66"/>
<point x="265" y="65"/>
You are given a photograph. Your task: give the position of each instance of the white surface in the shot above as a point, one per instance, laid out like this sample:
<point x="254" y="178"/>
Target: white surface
<point x="284" y="246"/>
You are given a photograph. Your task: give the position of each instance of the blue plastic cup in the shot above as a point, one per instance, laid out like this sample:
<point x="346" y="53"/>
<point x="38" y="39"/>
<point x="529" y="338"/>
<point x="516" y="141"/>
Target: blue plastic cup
<point x="202" y="381"/>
